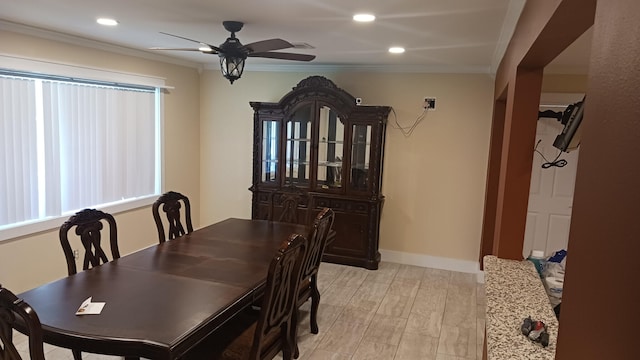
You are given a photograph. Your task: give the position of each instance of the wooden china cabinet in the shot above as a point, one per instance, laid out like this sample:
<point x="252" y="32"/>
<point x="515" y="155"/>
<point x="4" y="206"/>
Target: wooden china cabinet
<point x="316" y="148"/>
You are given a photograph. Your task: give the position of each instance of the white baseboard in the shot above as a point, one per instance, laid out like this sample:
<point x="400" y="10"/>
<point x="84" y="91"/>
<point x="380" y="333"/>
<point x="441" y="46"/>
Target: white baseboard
<point x="433" y="262"/>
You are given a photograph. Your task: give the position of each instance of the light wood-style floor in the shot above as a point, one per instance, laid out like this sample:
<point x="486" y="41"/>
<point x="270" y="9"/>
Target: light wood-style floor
<point x="398" y="312"/>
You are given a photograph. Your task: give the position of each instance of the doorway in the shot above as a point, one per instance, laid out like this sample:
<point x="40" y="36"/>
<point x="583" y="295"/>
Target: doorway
<point x="551" y="189"/>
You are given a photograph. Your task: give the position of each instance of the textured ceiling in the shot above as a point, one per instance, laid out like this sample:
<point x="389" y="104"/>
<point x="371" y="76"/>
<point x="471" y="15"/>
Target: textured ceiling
<point x="439" y="35"/>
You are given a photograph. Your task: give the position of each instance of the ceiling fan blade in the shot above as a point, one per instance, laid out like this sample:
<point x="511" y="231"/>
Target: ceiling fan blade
<point x="268" y="45"/>
<point x="179" y="49"/>
<point x="214" y="48"/>
<point x="283" y="56"/>
<point x="211" y="51"/>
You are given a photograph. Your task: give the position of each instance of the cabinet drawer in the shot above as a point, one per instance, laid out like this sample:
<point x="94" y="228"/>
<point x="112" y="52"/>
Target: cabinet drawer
<point x="340" y="205"/>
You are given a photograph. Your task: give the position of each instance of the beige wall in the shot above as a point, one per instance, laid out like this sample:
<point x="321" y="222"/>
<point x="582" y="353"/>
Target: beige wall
<point x="33" y="260"/>
<point x="434" y="181"/>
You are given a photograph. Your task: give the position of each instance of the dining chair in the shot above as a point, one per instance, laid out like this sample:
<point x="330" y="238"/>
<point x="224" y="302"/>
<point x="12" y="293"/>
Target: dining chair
<point x="317" y="241"/>
<point x="263" y="334"/>
<point x="290" y="204"/>
<point x="171" y="204"/>
<point x="287" y="205"/>
<point x="10" y="308"/>
<point x="88" y="223"/>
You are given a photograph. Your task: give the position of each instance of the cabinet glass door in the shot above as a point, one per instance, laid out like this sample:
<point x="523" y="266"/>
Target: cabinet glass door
<point x="270" y="141"/>
<point x="360" y="150"/>
<point x="298" y="147"/>
<point x="330" y="149"/>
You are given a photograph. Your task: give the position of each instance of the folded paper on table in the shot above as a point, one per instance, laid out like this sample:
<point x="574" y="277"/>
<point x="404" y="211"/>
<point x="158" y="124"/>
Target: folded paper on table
<point x="90" y="308"/>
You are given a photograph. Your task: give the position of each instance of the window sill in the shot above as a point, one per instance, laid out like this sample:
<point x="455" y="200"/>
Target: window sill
<point x="40" y="225"/>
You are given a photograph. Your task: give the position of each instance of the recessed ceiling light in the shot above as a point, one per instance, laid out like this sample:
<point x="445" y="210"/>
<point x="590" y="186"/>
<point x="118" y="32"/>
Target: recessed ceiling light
<point x="396" y="50"/>
<point x="364" y="17"/>
<point x="107" y="21"/>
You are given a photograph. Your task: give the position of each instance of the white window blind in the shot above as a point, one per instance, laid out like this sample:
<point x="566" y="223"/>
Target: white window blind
<point x="69" y="145"/>
<point x="18" y="162"/>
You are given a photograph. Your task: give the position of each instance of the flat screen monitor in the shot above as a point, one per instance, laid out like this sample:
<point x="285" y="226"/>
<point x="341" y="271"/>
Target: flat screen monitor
<point x="569" y="139"/>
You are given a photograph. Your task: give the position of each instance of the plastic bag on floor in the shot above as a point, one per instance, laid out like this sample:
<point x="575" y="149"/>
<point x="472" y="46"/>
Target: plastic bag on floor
<point x="553" y="269"/>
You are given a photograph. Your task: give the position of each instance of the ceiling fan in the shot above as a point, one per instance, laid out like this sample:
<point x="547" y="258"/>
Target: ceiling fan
<point x="233" y="54"/>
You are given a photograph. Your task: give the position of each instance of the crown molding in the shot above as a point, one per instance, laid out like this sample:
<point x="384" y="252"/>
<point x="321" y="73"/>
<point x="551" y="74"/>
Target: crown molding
<point x="94" y="44"/>
<point x="506" y="32"/>
<point x="328" y="68"/>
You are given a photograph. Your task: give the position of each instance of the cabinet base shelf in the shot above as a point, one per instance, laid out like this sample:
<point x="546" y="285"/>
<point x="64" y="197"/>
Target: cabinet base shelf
<point x="351" y="261"/>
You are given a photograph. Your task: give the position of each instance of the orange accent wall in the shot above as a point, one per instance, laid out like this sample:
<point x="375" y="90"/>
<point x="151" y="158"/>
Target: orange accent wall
<point x="601" y="300"/>
<point x="544" y="30"/>
<point x="601" y="296"/>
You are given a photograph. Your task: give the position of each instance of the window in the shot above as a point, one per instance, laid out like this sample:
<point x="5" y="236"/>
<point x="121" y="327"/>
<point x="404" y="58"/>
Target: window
<point x="68" y="144"/>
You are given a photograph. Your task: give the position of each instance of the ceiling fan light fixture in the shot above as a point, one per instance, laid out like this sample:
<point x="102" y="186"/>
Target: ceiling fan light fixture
<point x="233" y="54"/>
<point x="396" y="50"/>
<point x="232" y="66"/>
<point x="364" y="17"/>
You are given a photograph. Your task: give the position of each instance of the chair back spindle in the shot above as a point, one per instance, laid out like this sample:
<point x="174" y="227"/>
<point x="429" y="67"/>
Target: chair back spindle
<point x="171" y="203"/>
<point x="281" y="291"/>
<point x="317" y="241"/>
<point x="289" y="209"/>
<point x="309" y="275"/>
<point x="88" y="225"/>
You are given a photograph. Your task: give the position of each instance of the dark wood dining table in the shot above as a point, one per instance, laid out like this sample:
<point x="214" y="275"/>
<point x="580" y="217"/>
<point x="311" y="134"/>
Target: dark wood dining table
<point x="162" y="300"/>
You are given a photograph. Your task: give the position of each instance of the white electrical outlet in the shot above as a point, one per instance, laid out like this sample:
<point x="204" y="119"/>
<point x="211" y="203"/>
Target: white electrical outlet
<point x="429" y="103"/>
<point x="76" y="254"/>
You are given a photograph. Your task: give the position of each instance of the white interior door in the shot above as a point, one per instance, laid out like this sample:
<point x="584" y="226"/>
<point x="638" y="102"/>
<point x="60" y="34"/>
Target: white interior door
<point x="551" y="191"/>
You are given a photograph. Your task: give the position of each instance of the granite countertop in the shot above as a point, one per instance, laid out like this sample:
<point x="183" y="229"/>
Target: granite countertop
<point x="515" y="291"/>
